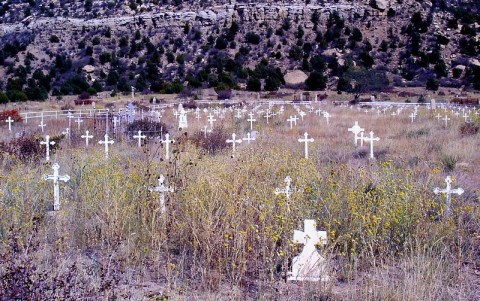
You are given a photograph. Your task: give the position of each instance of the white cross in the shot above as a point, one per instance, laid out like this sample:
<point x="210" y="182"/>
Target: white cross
<point x="466" y="116"/>
<point x="106" y="142"/>
<point x="446" y="119"/>
<point x="412" y="116"/>
<point x="356" y="129"/>
<point x="449" y="191"/>
<point x="115" y="121"/>
<point x="371" y="139"/>
<point x="79" y="121"/>
<point x="438" y="117"/>
<point x="56" y="187"/>
<point x="251" y="120"/>
<point x="327" y="116"/>
<point x="42" y="125"/>
<point x="167" y="142"/>
<point x="249" y="138"/>
<point x="47" y="144"/>
<point x="70" y="116"/>
<point x="292" y="120"/>
<point x="67" y="132"/>
<point x="302" y="114"/>
<point x="239" y="113"/>
<point x="9" y="121"/>
<point x="287" y="190"/>
<point x="211" y="120"/>
<point x="306" y="140"/>
<point x="175" y="113"/>
<point x="309" y="265"/>
<point x="197" y="114"/>
<point x="139" y="136"/>
<point x="268" y="115"/>
<point x="234" y="142"/>
<point x="161" y="188"/>
<point x="86" y="137"/>
<point x="205" y="130"/>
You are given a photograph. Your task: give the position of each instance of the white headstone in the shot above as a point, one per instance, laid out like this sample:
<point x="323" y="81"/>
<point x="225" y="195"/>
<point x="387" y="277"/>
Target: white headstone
<point x="211" y="120"/>
<point x="251" y="120"/>
<point x="288" y="190"/>
<point x="140" y="137"/>
<point x="356" y="129"/>
<point x="106" y="142"/>
<point x="182" y="121"/>
<point x="292" y="120"/>
<point x="47" y="144"/>
<point x="42" y="125"/>
<point x="167" y="142"/>
<point x="371" y="139"/>
<point x="56" y="187"/>
<point x="306" y="140"/>
<point x="449" y="191"/>
<point x="9" y="121"/>
<point x="309" y="265"/>
<point x="162" y="189"/>
<point x="79" y="121"/>
<point x="87" y="137"/>
<point x="249" y="138"/>
<point x="234" y="142"/>
<point x="446" y="119"/>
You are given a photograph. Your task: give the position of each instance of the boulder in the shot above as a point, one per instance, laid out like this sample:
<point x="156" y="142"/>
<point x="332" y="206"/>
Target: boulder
<point x="475" y="62"/>
<point x="380" y="4"/>
<point x="88" y="68"/>
<point x="207" y="16"/>
<point x="295" y="78"/>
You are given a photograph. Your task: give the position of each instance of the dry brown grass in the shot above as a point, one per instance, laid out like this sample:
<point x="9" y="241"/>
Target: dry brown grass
<point x="226" y="236"/>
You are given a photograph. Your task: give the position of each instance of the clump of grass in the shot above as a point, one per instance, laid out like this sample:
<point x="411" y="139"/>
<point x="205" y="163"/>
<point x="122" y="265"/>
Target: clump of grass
<point x="24" y="277"/>
<point x="449" y="162"/>
<point x="415" y="134"/>
<point x="213" y="142"/>
<point x="469" y="129"/>
<point x="28" y="148"/>
<point x="148" y="128"/>
<point x="360" y="153"/>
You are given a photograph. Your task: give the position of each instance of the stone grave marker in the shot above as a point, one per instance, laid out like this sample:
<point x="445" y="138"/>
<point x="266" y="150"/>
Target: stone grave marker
<point x="106" y="143"/>
<point x="251" y="120"/>
<point x="448" y="191"/>
<point x="47" y="144"/>
<point x="162" y="189"/>
<point x="249" y="138"/>
<point x="371" y="139"/>
<point x="234" y="142"/>
<point x="140" y="137"/>
<point x="87" y="137"/>
<point x="306" y="140"/>
<point x="56" y="187"/>
<point x="9" y="121"/>
<point x="309" y="265"/>
<point x="167" y="142"/>
<point x="356" y="129"/>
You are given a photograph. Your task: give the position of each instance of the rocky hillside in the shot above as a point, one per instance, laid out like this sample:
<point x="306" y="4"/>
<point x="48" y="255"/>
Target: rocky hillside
<point x="73" y="47"/>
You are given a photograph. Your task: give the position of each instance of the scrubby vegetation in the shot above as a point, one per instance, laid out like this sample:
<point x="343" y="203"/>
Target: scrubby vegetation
<point x="226" y="235"/>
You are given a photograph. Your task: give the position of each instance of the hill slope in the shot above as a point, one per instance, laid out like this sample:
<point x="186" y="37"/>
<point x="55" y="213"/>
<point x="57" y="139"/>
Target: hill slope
<point x="169" y="46"/>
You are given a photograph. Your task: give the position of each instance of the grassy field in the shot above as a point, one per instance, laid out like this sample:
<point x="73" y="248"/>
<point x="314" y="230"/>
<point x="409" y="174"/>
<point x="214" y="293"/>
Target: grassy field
<point x="225" y="235"/>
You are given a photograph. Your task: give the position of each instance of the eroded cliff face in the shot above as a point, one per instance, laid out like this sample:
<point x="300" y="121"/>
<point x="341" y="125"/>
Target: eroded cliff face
<point x="209" y="16"/>
<point x="227" y="45"/>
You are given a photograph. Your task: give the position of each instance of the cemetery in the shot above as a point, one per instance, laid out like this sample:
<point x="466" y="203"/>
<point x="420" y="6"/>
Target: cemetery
<point x="261" y="200"/>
